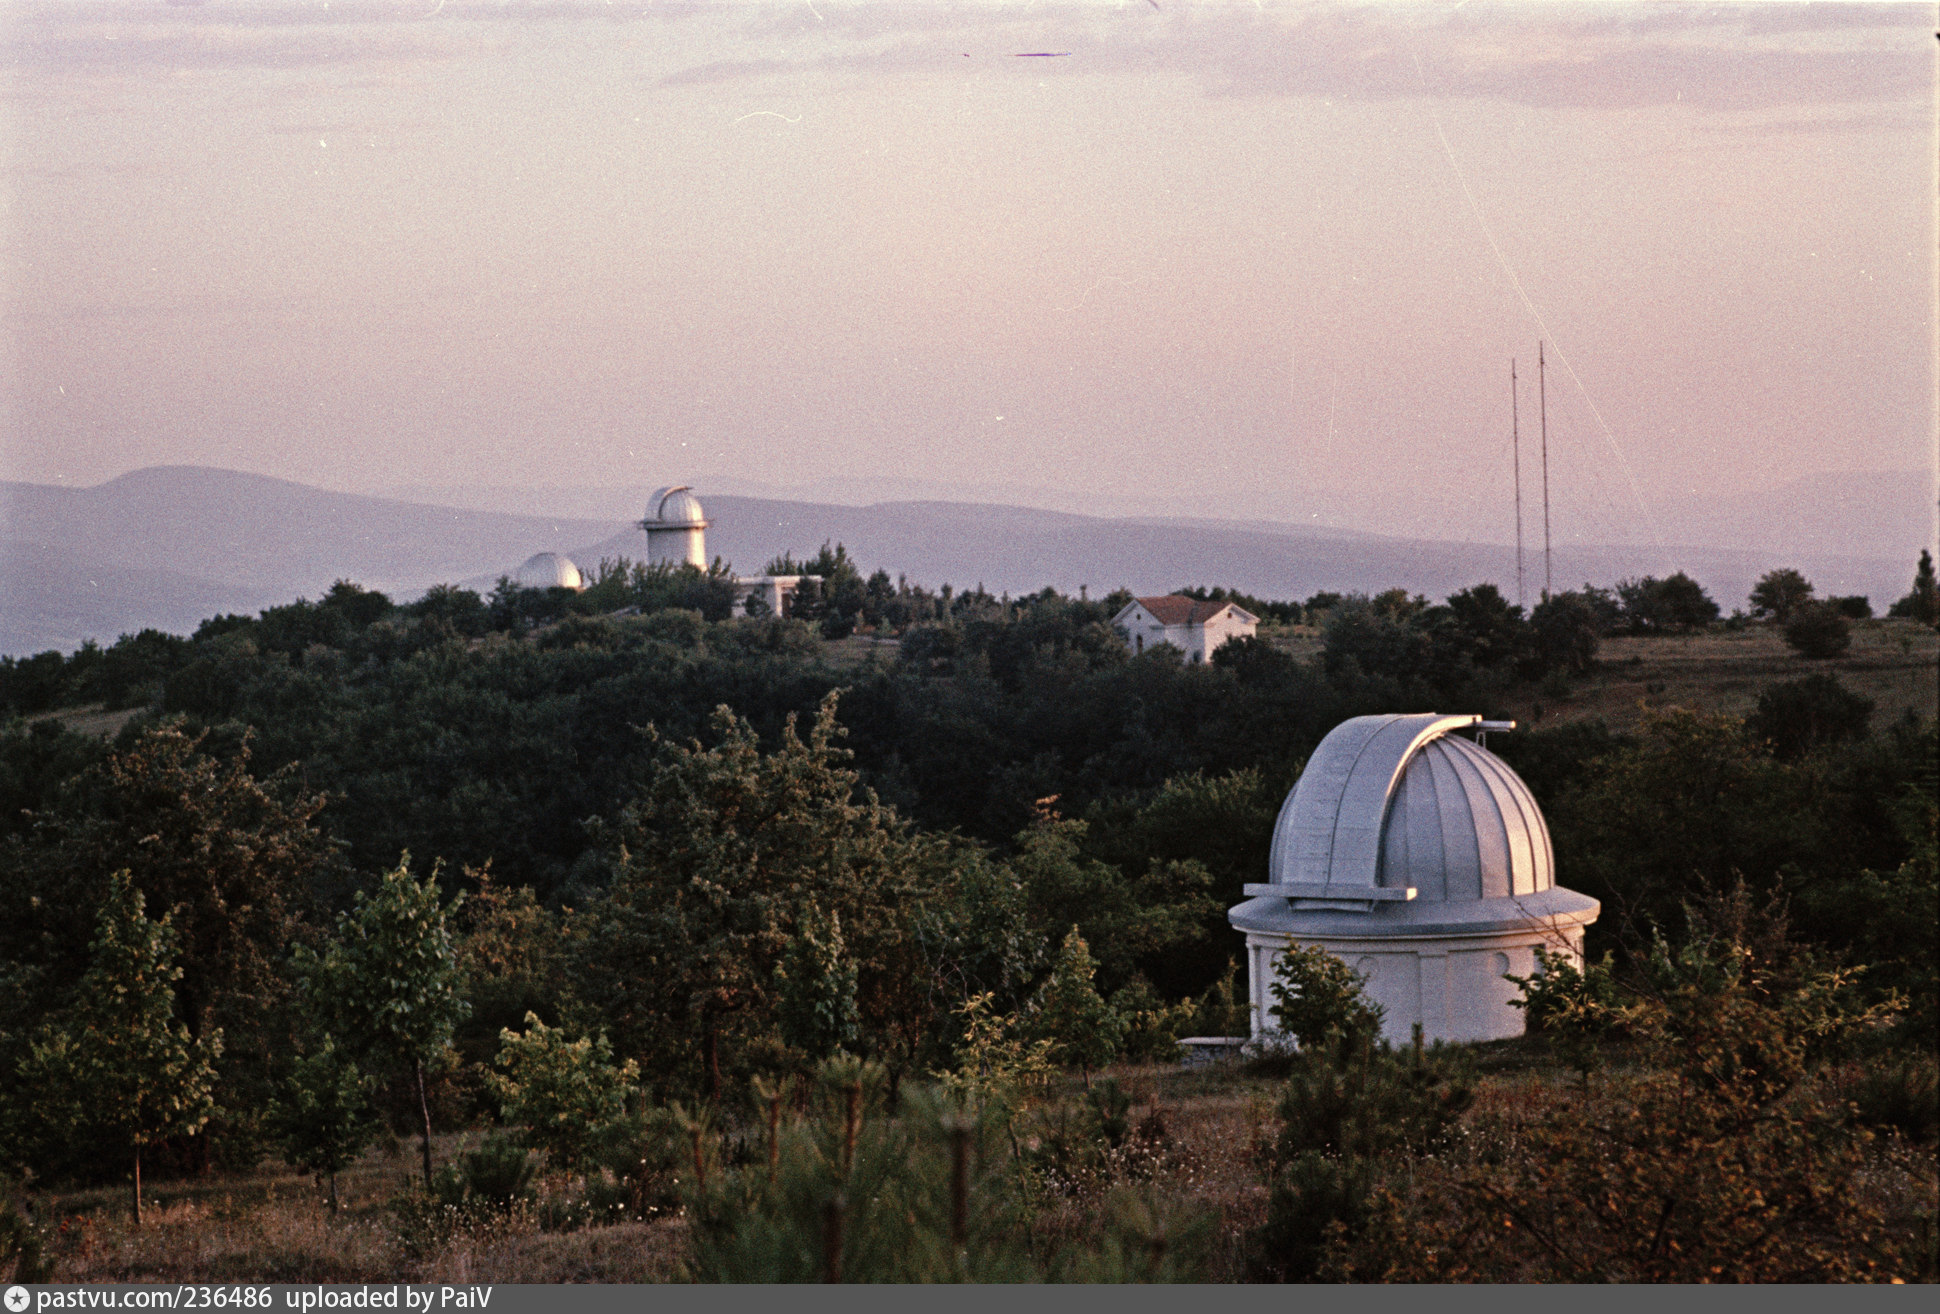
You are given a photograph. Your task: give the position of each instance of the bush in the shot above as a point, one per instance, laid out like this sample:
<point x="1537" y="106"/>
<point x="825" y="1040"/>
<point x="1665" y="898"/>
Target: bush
<point x="1801" y="715"/>
<point x="1901" y="1095"/>
<point x="494" y="1178"/>
<point x="1818" y="631"/>
<point x="1718" y="1155"/>
<point x="1573" y="1009"/>
<point x="1351" y="1113"/>
<point x="570" y="1095"/>
<point x="1318" y="994"/>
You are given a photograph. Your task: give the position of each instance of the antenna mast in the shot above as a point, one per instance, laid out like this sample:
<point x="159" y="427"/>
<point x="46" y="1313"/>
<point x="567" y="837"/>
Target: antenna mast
<point x="1542" y="395"/>
<point x="1515" y="438"/>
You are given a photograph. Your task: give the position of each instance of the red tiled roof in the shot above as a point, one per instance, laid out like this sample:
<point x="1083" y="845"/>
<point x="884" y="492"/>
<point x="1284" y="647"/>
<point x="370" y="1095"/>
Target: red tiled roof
<point x="1176" y="609"/>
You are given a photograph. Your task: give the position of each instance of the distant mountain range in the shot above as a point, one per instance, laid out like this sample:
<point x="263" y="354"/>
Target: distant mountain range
<point x="169" y="546"/>
<point x="1887" y="514"/>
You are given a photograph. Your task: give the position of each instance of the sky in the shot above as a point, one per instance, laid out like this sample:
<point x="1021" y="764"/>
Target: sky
<point x="1227" y="260"/>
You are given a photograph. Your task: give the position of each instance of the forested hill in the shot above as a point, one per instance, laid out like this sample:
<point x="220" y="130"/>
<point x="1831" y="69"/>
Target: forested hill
<point x="167" y="547"/>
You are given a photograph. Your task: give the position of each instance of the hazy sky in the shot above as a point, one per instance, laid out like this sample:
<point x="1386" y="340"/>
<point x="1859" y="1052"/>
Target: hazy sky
<point x="1233" y="259"/>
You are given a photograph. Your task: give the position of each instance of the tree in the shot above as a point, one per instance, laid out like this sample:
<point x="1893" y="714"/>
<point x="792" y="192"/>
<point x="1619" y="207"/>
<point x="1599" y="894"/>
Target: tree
<point x="570" y="1095"/>
<point x="1373" y="638"/>
<point x="712" y="864"/>
<point x="1922" y="603"/>
<point x="1801" y="715"/>
<point x="1713" y="1156"/>
<point x="1352" y="1113"/>
<point x="390" y="979"/>
<point x="229" y="857"/>
<point x="117" y="1063"/>
<point x="324" y="1119"/>
<point x="1143" y="916"/>
<point x="1778" y="594"/>
<point x="1691" y="800"/>
<point x="1083" y="1029"/>
<point x="1494" y="627"/>
<point x="1818" y="631"/>
<point x="1565" y="629"/>
<point x="817" y="984"/>
<point x="1656" y="606"/>
<point x="1317" y="994"/>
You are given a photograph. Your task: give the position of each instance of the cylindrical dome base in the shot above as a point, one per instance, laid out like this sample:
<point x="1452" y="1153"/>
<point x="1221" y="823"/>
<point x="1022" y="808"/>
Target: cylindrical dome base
<point x="1455" y="988"/>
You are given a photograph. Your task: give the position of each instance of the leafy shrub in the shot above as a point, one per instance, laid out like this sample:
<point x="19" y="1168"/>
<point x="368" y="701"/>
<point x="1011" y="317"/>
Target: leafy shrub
<point x="1717" y="1157"/>
<point x="324" y="1119"/>
<point x="1351" y="1112"/>
<point x="494" y="1178"/>
<point x="1801" y="715"/>
<point x="1575" y="1009"/>
<point x="1317" y="993"/>
<point x="1902" y="1095"/>
<point x="1151" y="1026"/>
<point x="569" y="1095"/>
<point x="1818" y="631"/>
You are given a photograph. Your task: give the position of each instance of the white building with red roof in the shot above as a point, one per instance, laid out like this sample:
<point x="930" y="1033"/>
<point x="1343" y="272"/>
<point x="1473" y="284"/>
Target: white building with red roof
<point x="1194" y="627"/>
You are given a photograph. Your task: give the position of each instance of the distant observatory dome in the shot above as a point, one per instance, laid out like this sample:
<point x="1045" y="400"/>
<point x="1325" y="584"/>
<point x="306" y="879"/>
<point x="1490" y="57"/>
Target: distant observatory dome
<point x="676" y="528"/>
<point x="1422" y="860"/>
<point x="675" y="505"/>
<point x="549" y="570"/>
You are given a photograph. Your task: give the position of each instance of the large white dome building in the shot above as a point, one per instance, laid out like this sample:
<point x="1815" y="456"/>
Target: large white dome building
<point x="1420" y="859"/>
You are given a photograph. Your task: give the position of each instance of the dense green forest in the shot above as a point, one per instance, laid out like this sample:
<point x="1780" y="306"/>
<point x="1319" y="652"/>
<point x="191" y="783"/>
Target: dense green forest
<point x="403" y="858"/>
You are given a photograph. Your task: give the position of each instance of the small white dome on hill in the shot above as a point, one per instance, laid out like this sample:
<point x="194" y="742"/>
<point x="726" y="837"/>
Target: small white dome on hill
<point x="548" y="570"/>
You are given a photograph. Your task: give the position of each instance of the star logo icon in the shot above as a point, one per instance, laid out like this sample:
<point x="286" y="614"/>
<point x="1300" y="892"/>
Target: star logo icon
<point x="18" y="1299"/>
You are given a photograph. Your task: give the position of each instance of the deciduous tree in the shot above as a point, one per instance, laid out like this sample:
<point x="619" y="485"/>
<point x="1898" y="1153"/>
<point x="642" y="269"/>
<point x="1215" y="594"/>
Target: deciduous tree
<point x="1779" y="593"/>
<point x="119" y="1064"/>
<point x="323" y="1118"/>
<point x="391" y="980"/>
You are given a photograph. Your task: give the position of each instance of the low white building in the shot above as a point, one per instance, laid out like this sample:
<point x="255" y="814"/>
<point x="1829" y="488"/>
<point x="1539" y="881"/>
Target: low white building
<point x="1418" y="858"/>
<point x="1195" y="628"/>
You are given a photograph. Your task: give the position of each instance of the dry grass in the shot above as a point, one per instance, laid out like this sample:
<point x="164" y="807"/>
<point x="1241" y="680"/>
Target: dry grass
<point x="1894" y="663"/>
<point x="273" y="1224"/>
<point x="1198" y="1145"/>
<point x="90" y="719"/>
<point x="1202" y="1146"/>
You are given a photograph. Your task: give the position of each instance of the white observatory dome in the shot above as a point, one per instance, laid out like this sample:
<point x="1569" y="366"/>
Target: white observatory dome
<point x="676" y="528"/>
<point x="675" y="505"/>
<point x="548" y="570"/>
<point x="1421" y="859"/>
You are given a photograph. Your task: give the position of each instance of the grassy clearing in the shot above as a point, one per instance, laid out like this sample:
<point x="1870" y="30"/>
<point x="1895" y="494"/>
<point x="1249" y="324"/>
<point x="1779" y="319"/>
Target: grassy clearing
<point x="1203" y="1144"/>
<point x="1204" y="1135"/>
<point x="1895" y="663"/>
<point x="89" y="719"/>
